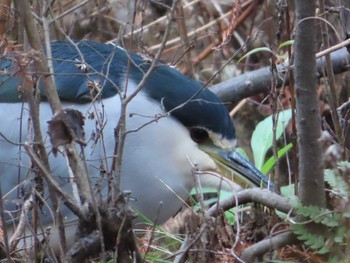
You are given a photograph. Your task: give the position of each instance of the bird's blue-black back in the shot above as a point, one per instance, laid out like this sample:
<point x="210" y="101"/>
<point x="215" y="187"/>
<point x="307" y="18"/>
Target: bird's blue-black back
<point x="75" y="66"/>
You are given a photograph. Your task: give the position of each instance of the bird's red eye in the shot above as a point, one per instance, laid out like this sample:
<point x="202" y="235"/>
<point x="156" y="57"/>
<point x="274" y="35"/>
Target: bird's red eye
<point x="199" y="135"/>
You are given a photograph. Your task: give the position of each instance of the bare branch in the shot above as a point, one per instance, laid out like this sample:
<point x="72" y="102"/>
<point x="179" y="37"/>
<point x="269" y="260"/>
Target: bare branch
<point x="270" y="244"/>
<point x="15" y="238"/>
<point x="67" y="199"/>
<point x="257" y="81"/>
<point x="330" y="83"/>
<point x="3" y="222"/>
<point x="121" y="127"/>
<point x="256" y="195"/>
<point x="5" y="5"/>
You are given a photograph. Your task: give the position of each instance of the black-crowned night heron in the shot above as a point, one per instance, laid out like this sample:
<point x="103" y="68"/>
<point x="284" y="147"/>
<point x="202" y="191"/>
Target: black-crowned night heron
<point x="191" y="127"/>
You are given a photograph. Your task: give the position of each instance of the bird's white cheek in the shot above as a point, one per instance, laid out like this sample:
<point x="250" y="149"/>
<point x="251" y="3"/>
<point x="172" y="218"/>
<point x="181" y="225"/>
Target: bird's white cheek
<point x="209" y="175"/>
<point x="202" y="161"/>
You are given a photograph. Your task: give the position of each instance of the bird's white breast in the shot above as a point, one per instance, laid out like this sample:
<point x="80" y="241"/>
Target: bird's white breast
<point x="156" y="160"/>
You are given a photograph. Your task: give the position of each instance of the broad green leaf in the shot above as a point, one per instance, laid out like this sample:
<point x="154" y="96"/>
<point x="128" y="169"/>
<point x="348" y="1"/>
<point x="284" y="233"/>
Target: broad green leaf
<point x="263" y="135"/>
<point x="271" y="161"/>
<point x="253" y="51"/>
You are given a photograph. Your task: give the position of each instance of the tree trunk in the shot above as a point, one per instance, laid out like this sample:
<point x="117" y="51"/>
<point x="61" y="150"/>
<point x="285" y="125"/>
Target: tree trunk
<point x="311" y="185"/>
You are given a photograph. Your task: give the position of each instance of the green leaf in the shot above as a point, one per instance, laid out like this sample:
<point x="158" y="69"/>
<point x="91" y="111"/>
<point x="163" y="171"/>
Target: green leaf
<point x="262" y="137"/>
<point x="343" y="166"/>
<point x="314" y="241"/>
<point x="332" y="220"/>
<point x="286" y="43"/>
<point x="230" y="216"/>
<point x="337" y="182"/>
<point x="253" y="51"/>
<point x="280" y="214"/>
<point x="323" y="250"/>
<point x="338" y="239"/>
<point x="271" y="161"/>
<point x="288" y="191"/>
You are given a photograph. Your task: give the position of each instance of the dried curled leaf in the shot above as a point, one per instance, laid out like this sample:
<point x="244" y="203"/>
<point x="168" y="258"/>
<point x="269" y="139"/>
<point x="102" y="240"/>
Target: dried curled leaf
<point x="65" y="127"/>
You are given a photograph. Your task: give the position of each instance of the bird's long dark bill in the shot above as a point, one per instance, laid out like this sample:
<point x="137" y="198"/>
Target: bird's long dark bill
<point x="243" y="171"/>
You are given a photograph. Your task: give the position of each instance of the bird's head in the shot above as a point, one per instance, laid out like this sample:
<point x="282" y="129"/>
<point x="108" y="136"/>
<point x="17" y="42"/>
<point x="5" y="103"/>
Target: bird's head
<point x="209" y="126"/>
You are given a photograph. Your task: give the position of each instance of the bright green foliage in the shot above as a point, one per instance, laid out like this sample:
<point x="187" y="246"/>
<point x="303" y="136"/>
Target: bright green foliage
<point x="333" y="240"/>
<point x="335" y="234"/>
<point x="314" y="241"/>
<point x="262" y="141"/>
<point x="266" y="49"/>
<point x="255" y="50"/>
<point x="262" y="138"/>
<point x="286" y="43"/>
<point x="336" y="181"/>
<point x="270" y="163"/>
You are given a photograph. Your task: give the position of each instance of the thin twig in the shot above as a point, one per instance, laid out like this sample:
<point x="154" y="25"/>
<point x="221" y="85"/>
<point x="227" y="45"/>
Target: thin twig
<point x="184" y="38"/>
<point x="4" y="230"/>
<point x="121" y="129"/>
<point x="188" y="244"/>
<point x="330" y="81"/>
<point x="67" y="199"/>
<point x="15" y="238"/>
